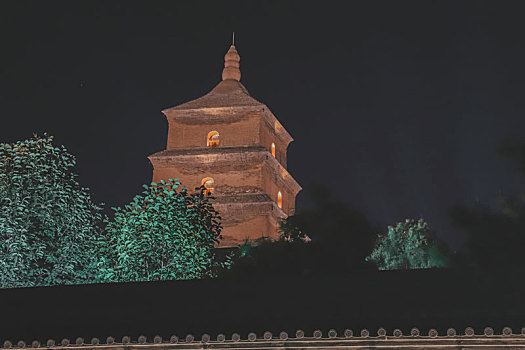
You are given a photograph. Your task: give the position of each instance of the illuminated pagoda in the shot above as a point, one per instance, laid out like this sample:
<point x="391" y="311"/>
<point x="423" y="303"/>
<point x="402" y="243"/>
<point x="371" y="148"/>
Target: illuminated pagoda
<point x="235" y="147"/>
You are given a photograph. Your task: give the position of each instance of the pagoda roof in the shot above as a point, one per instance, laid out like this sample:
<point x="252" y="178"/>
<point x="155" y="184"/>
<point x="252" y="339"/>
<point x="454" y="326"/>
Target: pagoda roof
<point x="228" y="93"/>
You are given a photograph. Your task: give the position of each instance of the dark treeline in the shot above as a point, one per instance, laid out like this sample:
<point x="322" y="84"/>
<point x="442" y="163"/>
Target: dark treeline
<point x="333" y="237"/>
<point x="154" y="237"/>
<point x="496" y="237"/>
<point x="329" y="237"/>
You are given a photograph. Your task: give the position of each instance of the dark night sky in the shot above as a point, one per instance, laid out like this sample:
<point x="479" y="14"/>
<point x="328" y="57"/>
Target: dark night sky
<point x="398" y="107"/>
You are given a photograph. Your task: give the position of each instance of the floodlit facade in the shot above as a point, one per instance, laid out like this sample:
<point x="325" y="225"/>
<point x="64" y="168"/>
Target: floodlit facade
<point x="235" y="147"/>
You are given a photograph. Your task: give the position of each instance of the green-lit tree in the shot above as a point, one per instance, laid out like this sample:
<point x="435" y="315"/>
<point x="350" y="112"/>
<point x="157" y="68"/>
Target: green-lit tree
<point x="408" y="245"/>
<point x="164" y="233"/>
<point x="48" y="222"/>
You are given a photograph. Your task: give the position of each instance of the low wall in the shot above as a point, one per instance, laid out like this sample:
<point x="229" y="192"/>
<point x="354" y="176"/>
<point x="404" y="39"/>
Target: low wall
<point x="505" y="340"/>
<point x="404" y="309"/>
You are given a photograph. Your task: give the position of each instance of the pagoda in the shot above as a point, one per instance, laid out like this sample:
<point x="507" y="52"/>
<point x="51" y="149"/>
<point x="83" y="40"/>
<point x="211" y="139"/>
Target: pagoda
<point x="235" y="147"/>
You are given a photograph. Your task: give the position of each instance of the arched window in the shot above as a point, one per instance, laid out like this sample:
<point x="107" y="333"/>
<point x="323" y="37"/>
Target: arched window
<point x="208" y="184"/>
<point x="213" y="139"/>
<point x="273" y="149"/>
<point x="280" y="199"/>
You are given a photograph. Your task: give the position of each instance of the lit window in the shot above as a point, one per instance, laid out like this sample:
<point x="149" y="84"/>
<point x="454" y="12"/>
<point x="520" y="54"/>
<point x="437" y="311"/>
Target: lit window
<point x="280" y="199"/>
<point x="273" y="149"/>
<point x="208" y="184"/>
<point x="213" y="139"/>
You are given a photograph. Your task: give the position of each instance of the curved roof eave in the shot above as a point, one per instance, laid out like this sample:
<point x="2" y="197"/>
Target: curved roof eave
<point x="228" y="93"/>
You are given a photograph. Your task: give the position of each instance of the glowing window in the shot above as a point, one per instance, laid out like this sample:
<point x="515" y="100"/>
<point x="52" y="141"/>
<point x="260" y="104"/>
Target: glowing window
<point x="273" y="149"/>
<point x="208" y="184"/>
<point x="213" y="139"/>
<point x="279" y="199"/>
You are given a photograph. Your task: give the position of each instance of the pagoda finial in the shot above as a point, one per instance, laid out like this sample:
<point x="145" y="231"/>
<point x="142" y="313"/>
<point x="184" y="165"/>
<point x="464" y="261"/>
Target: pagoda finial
<point x="231" y="63"/>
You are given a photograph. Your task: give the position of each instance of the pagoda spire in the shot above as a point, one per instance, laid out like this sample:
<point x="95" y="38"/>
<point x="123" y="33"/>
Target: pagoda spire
<point x="231" y="65"/>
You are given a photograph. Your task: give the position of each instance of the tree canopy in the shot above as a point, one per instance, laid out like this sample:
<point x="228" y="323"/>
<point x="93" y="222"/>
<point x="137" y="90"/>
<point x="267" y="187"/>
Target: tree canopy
<point x="408" y="245"/>
<point x="342" y="233"/>
<point x="48" y="221"/>
<point x="330" y="237"/>
<point x="496" y="234"/>
<point x="51" y="231"/>
<point x="164" y="233"/>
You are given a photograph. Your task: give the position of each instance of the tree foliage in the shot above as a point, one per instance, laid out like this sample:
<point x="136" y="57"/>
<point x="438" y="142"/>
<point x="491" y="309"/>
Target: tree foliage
<point x="48" y="222"/>
<point x="342" y="234"/>
<point x="408" y="245"/>
<point x="496" y="236"/>
<point x="164" y="233"/>
<point x="328" y="238"/>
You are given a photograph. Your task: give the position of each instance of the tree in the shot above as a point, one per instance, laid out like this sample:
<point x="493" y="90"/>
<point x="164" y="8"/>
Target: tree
<point x="408" y="245"/>
<point x="48" y="222"/>
<point x="162" y="234"/>
<point x="342" y="235"/>
<point x="496" y="236"/>
<point x="328" y="238"/>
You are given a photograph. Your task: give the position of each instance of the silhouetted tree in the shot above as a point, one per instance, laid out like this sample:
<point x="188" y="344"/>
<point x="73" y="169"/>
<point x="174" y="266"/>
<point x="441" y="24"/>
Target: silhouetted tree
<point x="496" y="238"/>
<point x="408" y="245"/>
<point x="343" y="232"/>
<point x="331" y="237"/>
